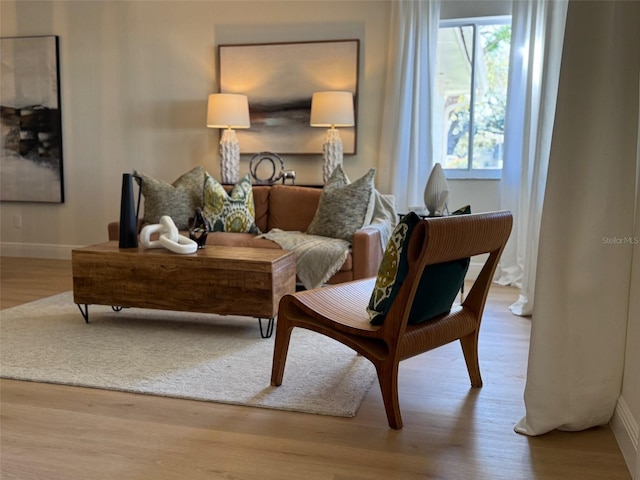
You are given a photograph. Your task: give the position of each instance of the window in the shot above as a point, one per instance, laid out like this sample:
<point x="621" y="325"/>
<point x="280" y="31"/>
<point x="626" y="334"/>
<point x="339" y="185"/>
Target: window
<point x="471" y="92"/>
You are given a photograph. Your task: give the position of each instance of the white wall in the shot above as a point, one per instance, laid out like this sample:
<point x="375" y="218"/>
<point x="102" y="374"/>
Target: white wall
<point x="474" y="8"/>
<point x="626" y="420"/>
<point x="631" y="380"/>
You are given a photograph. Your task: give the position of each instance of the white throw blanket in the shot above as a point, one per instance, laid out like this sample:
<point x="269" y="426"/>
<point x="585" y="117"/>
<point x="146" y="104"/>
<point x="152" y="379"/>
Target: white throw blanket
<point x="385" y="216"/>
<point x="319" y="258"/>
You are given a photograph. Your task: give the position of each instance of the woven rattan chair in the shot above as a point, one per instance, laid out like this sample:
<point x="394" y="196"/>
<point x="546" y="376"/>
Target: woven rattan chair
<point x="340" y="312"/>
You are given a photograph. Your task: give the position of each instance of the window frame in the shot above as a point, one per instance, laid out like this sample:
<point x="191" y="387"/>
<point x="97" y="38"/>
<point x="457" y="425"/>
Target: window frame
<point x="471" y="173"/>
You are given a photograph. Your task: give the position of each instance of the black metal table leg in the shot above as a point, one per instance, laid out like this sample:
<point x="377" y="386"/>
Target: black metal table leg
<point x="84" y="312"/>
<point x="269" y="329"/>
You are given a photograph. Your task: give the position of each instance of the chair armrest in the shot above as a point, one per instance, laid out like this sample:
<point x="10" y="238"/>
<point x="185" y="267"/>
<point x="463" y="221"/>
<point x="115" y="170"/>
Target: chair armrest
<point x="367" y="253"/>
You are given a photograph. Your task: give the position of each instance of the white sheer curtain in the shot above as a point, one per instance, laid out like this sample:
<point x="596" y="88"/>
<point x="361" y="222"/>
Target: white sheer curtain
<point x="534" y="66"/>
<point x="406" y="145"/>
<point x="583" y="286"/>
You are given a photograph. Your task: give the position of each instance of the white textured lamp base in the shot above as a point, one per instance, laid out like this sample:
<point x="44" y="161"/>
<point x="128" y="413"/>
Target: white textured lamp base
<point x="332" y="153"/>
<point x="229" y="157"/>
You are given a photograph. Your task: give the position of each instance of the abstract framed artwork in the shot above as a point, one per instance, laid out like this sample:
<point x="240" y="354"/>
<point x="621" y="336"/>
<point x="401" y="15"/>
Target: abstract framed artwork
<point x="31" y="133"/>
<point x="279" y="80"/>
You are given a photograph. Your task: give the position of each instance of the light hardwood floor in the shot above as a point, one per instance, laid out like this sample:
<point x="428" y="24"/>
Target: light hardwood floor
<point x="451" y="431"/>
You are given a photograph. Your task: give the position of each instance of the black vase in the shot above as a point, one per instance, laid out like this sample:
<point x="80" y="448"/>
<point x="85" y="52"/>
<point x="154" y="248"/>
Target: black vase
<point x="128" y="220"/>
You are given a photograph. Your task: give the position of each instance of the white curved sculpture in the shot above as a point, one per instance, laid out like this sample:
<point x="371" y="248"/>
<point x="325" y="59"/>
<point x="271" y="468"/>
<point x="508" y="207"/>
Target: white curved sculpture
<point x="436" y="193"/>
<point x="170" y="237"/>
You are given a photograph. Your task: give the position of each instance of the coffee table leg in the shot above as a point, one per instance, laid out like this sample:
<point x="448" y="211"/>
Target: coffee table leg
<point x="269" y="330"/>
<point x="84" y="311"/>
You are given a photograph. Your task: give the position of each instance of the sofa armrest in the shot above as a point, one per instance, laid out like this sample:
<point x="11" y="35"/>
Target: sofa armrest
<point x="114" y="229"/>
<point x="367" y="253"/>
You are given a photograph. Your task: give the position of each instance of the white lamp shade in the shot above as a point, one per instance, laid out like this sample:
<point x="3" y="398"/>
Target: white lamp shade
<point x="228" y="110"/>
<point x="332" y="109"/>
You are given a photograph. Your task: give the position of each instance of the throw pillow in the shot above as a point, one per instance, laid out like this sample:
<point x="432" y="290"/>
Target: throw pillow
<point x="393" y="269"/>
<point x="232" y="212"/>
<point x="437" y="290"/>
<point x="343" y="207"/>
<point x="178" y="200"/>
<point x="438" y="287"/>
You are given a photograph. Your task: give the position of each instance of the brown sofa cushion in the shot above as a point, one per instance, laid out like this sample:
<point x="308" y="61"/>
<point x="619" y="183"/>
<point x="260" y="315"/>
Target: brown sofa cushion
<point x="261" y="199"/>
<point x="291" y="208"/>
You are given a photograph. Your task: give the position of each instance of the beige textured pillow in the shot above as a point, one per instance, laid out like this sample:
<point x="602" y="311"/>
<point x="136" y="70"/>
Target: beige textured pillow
<point x="178" y="200"/>
<point x="344" y="207"/>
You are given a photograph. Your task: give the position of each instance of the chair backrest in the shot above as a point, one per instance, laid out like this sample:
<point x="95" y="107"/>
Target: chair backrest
<point x="444" y="239"/>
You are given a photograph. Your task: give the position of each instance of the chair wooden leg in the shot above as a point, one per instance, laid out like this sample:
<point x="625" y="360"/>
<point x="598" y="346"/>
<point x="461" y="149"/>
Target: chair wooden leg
<point x="280" y="350"/>
<point x="470" y="350"/>
<point x="388" y="379"/>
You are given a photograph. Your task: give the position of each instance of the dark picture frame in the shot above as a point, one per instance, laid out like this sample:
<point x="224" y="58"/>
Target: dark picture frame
<point x="279" y="80"/>
<point x="31" y="120"/>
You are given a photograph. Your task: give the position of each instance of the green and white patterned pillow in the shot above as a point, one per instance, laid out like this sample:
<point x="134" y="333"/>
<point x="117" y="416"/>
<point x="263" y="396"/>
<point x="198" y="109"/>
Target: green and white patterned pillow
<point x="178" y="200"/>
<point x="232" y="212"/>
<point x="344" y="207"/>
<point x="393" y="269"/>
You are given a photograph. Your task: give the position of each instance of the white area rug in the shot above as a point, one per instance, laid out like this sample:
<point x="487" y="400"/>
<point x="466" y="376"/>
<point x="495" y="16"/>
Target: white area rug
<point x="186" y="355"/>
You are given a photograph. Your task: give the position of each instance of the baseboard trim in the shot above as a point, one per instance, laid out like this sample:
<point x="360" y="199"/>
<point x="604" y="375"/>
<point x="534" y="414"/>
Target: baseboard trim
<point x="625" y="429"/>
<point x="36" y="250"/>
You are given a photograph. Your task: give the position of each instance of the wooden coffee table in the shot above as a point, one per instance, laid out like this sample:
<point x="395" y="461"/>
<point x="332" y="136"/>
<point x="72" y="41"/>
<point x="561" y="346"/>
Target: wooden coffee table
<point x="221" y="280"/>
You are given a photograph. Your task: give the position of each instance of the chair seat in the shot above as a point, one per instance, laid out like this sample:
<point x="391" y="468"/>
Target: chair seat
<point x="344" y="305"/>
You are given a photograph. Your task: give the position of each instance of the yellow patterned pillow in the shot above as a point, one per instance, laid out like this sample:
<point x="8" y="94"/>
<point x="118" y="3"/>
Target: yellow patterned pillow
<point x="232" y="212"/>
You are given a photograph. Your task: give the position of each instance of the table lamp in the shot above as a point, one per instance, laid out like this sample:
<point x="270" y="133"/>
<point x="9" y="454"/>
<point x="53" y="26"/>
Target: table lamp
<point x="332" y="109"/>
<point x="228" y="111"/>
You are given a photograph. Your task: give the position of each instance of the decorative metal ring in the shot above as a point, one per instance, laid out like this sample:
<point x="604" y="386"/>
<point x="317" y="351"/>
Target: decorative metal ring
<point x="277" y="167"/>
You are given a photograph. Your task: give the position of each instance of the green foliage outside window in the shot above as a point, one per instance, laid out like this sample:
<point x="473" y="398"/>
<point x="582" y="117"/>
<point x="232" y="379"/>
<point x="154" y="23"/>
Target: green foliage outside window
<point x="491" y="75"/>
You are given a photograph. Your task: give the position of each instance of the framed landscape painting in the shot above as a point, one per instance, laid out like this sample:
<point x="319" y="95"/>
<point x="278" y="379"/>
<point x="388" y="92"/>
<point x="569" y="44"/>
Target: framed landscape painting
<point x="31" y="133"/>
<point x="279" y="80"/>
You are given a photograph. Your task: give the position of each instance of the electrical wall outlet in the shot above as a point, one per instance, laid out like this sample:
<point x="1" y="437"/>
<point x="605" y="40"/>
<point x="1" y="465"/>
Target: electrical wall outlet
<point x="17" y="221"/>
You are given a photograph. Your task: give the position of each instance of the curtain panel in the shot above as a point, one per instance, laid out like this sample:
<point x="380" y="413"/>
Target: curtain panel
<point x="583" y="285"/>
<point x="406" y="145"/>
<point x="534" y="69"/>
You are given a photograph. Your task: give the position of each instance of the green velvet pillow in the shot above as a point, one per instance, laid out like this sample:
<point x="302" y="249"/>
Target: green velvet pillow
<point x="232" y="212"/>
<point x="438" y="287"/>
<point x="178" y="200"/>
<point x="344" y="207"/>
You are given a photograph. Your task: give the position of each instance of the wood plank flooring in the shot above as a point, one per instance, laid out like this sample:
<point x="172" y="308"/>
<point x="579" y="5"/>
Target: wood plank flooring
<point x="451" y="431"/>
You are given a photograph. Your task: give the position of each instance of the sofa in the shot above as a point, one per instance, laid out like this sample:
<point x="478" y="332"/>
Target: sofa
<point x="291" y="208"/>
